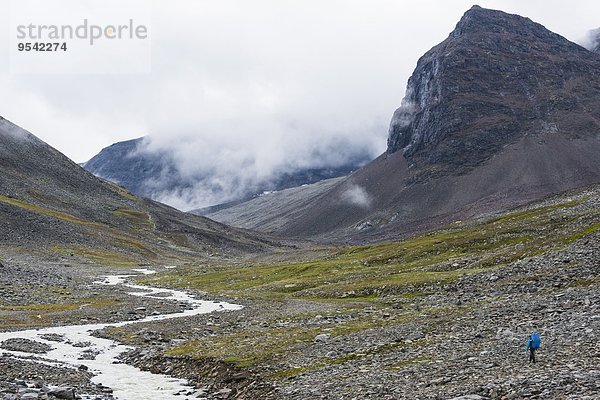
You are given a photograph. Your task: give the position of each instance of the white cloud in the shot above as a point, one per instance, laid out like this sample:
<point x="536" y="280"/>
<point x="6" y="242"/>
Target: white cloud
<point x="357" y="196"/>
<point x="591" y="40"/>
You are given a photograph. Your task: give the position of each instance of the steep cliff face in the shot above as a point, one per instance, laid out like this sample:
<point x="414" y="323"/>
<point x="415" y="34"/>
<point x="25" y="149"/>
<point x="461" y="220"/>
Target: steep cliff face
<point x="496" y="78"/>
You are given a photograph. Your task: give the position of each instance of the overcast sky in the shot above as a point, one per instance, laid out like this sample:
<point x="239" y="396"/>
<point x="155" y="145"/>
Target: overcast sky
<point x="256" y="76"/>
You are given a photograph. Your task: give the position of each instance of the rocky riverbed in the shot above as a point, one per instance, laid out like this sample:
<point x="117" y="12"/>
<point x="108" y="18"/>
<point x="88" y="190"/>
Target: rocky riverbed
<point x="37" y="359"/>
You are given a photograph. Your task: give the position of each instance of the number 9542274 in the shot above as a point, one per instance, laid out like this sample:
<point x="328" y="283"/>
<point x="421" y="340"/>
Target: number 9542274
<point x="42" y="46"/>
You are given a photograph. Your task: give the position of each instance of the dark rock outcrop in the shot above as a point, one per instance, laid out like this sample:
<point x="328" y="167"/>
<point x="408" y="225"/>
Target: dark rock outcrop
<point x="497" y="78"/>
<point x="143" y="171"/>
<point x="126" y="164"/>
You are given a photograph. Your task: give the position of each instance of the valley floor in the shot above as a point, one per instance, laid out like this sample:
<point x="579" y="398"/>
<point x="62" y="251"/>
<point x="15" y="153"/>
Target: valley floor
<point x="438" y="316"/>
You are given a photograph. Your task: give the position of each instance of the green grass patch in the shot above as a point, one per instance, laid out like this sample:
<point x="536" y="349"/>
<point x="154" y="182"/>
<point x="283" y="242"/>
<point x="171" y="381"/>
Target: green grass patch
<point x="140" y="220"/>
<point x="123" y="192"/>
<point x="247" y="349"/>
<point x="74" y="304"/>
<point x="397" y="268"/>
<point x="45" y="308"/>
<point x="100" y="256"/>
<point x="46" y="211"/>
<point x="136" y="246"/>
<point x="267" y="345"/>
<point x="583" y="282"/>
<point x="587" y="231"/>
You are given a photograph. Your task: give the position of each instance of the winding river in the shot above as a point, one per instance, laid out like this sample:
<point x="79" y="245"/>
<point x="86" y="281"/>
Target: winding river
<point x="127" y="382"/>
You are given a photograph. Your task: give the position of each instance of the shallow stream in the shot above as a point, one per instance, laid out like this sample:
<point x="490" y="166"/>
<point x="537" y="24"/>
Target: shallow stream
<point x="127" y="382"/>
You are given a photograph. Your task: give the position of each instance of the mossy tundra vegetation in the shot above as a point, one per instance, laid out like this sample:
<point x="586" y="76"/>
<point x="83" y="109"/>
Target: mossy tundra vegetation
<point x="299" y="301"/>
<point x="367" y="273"/>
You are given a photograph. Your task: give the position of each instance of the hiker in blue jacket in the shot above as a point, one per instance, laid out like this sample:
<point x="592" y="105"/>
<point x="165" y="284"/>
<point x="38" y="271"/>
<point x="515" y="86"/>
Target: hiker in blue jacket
<point x="533" y="343"/>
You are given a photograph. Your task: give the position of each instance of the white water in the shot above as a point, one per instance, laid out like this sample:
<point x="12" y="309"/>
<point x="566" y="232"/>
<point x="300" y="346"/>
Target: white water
<point x="127" y="382"/>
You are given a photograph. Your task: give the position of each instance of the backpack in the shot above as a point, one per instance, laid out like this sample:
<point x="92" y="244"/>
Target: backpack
<point x="535" y="341"/>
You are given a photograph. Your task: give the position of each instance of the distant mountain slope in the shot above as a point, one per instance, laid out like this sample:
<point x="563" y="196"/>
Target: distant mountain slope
<point x="155" y="173"/>
<point x="269" y="212"/>
<point x="49" y="204"/>
<point x="123" y="164"/>
<point x="500" y="113"/>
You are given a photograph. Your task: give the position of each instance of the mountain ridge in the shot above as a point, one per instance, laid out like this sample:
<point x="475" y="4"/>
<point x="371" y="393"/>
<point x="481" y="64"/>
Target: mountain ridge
<point x="495" y="47"/>
<point x="51" y="205"/>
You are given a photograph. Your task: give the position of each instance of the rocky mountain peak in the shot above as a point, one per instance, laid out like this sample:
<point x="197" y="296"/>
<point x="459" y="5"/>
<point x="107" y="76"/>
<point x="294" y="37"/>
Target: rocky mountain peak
<point x="496" y="78"/>
<point x="478" y="20"/>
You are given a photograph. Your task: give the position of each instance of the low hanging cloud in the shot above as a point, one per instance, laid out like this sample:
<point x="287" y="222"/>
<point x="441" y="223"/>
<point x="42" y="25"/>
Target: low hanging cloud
<point x="357" y="196"/>
<point x="200" y="171"/>
<point x="592" y="40"/>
